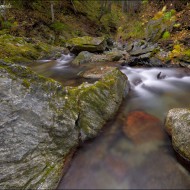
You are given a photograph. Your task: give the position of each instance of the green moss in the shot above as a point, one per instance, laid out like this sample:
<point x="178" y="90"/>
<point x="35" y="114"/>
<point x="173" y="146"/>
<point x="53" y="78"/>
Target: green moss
<point x="166" y="35"/>
<point x="26" y="83"/>
<point x="18" y="50"/>
<point x="85" y="40"/>
<point x="187" y="52"/>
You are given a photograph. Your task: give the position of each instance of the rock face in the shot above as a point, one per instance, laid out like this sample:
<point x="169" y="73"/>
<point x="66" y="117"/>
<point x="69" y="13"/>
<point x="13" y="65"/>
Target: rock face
<point x="41" y="122"/>
<point x="161" y="23"/>
<point x="177" y="125"/>
<point x="87" y="43"/>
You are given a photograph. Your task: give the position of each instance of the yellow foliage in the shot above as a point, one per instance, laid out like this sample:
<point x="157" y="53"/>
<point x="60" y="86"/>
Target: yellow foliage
<point x="158" y="15"/>
<point x="164" y="8"/>
<point x="177" y="51"/>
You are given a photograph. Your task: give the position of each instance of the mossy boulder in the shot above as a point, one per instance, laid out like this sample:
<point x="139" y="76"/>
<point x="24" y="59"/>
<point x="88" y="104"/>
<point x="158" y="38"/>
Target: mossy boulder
<point x="25" y="50"/>
<point x="82" y="58"/>
<point x="87" y="43"/>
<point x="178" y="126"/>
<point x="85" y="57"/>
<point x="108" y="56"/>
<point x="41" y="122"/>
<point x="160" y="26"/>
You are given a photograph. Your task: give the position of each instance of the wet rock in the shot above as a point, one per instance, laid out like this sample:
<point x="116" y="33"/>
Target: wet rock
<point x="96" y="72"/>
<point x="142" y="47"/>
<point x="146" y="55"/>
<point x="115" y="55"/>
<point x="90" y="58"/>
<point x="82" y="58"/>
<point x="141" y="127"/>
<point x="41" y="122"/>
<point x="186" y="65"/>
<point x="128" y="46"/>
<point x="108" y="56"/>
<point x="177" y="125"/>
<point x="86" y="43"/>
<point x="161" y="76"/>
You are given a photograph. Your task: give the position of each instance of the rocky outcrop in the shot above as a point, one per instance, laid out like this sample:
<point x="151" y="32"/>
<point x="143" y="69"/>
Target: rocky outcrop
<point x="87" y="43"/>
<point x="85" y="58"/>
<point x="41" y="122"/>
<point x="142" y="47"/>
<point x="161" y="24"/>
<point x="177" y="125"/>
<point x="82" y="58"/>
<point x="108" y="56"/>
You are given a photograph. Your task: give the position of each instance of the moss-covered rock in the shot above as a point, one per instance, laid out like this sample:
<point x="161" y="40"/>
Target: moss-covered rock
<point x="91" y="58"/>
<point x="178" y="126"/>
<point x="83" y="57"/>
<point x="160" y="26"/>
<point x="41" y="122"/>
<point x="24" y="50"/>
<point x="87" y="43"/>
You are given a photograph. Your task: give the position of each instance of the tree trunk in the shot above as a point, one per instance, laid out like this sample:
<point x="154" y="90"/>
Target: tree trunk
<point x="109" y="6"/>
<point x="4" y="11"/>
<point x="52" y="12"/>
<point x="123" y="6"/>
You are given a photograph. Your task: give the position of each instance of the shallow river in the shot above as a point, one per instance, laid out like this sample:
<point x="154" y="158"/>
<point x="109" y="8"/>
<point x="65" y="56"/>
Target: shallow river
<point x="132" y="151"/>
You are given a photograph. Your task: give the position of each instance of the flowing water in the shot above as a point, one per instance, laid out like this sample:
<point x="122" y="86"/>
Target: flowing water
<point x="133" y="150"/>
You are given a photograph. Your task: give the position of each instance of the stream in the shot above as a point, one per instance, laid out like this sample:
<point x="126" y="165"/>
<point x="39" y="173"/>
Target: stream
<point x="132" y="151"/>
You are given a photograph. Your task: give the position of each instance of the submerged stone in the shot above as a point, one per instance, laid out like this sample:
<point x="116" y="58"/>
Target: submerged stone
<point x="142" y="127"/>
<point x="41" y="122"/>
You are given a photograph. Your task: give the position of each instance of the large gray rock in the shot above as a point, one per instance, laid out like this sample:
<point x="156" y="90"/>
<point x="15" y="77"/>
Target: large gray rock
<point x="41" y="122"/>
<point x="86" y="58"/>
<point x="87" y="43"/>
<point x="178" y="126"/>
<point x="142" y="48"/>
<point x="82" y="58"/>
<point x="108" y="56"/>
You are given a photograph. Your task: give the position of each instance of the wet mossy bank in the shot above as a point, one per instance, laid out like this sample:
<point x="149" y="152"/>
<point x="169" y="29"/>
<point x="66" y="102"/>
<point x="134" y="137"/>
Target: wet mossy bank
<point x="24" y="50"/>
<point x="42" y="121"/>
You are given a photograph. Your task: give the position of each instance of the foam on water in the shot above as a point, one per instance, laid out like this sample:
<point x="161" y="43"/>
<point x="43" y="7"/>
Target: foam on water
<point x="64" y="60"/>
<point x="146" y="81"/>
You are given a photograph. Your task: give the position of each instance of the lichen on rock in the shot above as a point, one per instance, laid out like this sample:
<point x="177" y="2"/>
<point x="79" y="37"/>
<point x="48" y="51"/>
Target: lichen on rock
<point x="87" y="43"/>
<point x="42" y="121"/>
<point x="178" y="126"/>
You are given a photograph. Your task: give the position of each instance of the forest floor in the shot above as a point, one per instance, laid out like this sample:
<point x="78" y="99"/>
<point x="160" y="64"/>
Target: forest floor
<point x="29" y="34"/>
